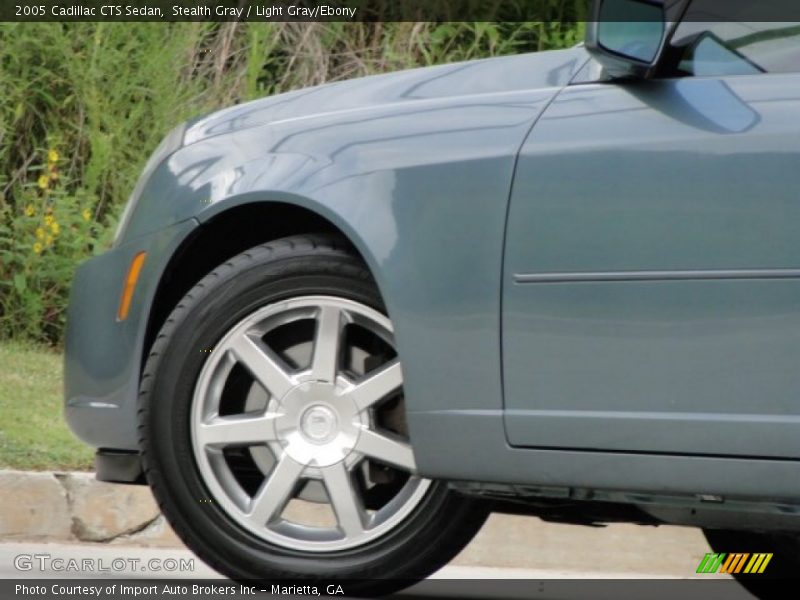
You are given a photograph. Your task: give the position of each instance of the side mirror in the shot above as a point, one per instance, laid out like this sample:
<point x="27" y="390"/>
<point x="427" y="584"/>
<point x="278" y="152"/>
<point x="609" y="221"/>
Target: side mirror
<point x="628" y="36"/>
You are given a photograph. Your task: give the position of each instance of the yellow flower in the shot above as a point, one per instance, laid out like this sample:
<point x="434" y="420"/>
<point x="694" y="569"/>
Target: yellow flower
<point x="40" y="233"/>
<point x="55" y="228"/>
<point x="29" y="210"/>
<point x="86" y="214"/>
<point x="44" y="182"/>
<point x="37" y="248"/>
<point x="52" y="156"/>
<point x="48" y="241"/>
<point x="48" y="220"/>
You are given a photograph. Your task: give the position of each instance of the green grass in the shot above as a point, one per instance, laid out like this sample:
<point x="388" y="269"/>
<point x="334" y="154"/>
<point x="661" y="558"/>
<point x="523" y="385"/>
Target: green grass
<point x="33" y="433"/>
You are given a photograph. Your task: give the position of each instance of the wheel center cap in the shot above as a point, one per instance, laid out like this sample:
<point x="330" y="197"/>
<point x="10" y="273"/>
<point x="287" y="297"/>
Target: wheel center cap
<point x="319" y="424"/>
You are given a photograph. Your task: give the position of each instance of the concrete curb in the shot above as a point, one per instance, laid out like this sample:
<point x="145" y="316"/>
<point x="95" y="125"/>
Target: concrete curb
<point x="74" y="507"/>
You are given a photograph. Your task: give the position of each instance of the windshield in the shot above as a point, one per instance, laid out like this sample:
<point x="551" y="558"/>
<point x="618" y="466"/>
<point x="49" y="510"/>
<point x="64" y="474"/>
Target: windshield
<point x="736" y="48"/>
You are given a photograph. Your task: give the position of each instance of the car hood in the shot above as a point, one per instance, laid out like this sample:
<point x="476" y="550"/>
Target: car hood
<point x="552" y="69"/>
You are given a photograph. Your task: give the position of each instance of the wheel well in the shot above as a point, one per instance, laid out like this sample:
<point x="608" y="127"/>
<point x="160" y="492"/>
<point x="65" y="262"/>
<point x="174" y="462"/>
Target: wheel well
<point x="223" y="237"/>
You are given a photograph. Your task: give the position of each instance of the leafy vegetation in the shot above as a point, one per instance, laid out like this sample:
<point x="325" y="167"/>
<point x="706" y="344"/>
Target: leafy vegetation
<point x="84" y="104"/>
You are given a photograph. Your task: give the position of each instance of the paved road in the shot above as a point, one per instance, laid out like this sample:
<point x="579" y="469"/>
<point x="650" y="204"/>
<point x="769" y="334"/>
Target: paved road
<point x="507" y="548"/>
<point x="522" y="544"/>
<point x="618" y="550"/>
<point x="44" y="561"/>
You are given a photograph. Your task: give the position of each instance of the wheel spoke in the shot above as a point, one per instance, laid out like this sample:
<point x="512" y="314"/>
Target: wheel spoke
<point x="313" y="424"/>
<point x="377" y="386"/>
<point x="238" y="430"/>
<point x="263" y="364"/>
<point x="325" y="358"/>
<point x="275" y="492"/>
<point x="344" y="498"/>
<point x="385" y="449"/>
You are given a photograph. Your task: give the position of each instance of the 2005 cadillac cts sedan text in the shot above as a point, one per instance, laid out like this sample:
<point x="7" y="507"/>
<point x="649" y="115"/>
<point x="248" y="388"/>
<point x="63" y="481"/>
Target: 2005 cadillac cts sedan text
<point x="570" y="280"/>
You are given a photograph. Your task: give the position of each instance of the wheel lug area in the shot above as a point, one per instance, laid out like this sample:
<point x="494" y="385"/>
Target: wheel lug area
<point x="319" y="425"/>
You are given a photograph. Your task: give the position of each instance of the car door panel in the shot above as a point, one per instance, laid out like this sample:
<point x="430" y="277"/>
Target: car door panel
<point x="685" y="367"/>
<point x="651" y="297"/>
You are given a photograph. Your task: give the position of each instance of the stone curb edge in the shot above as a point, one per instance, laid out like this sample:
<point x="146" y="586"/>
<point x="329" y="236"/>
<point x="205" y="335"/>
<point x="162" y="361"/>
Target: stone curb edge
<point x="75" y="507"/>
<point x="70" y="507"/>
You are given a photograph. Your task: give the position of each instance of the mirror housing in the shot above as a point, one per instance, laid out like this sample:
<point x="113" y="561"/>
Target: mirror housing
<point x="628" y="37"/>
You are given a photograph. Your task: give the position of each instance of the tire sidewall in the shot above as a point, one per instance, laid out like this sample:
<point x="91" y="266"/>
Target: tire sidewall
<point x="221" y="302"/>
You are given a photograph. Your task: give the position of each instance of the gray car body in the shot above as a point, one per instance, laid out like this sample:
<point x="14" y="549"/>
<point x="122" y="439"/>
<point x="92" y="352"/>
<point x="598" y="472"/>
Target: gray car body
<point x="594" y="286"/>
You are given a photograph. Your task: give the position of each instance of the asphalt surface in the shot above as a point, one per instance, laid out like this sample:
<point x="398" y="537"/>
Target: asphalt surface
<point x="520" y="546"/>
<point x="508" y="548"/>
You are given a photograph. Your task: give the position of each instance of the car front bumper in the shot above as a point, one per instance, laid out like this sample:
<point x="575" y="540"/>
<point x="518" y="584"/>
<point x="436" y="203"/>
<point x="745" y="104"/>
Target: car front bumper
<point x="103" y="356"/>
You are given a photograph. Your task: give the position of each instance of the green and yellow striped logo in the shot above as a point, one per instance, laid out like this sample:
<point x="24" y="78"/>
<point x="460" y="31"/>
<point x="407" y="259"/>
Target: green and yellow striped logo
<point x="734" y="563"/>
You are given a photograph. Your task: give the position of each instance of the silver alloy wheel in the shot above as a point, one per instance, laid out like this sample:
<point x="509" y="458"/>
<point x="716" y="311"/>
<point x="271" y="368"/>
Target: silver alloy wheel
<point x="304" y="425"/>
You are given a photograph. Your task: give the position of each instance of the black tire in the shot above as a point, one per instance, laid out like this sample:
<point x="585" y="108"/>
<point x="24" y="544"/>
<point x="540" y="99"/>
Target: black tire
<point x="431" y="535"/>
<point x="784" y="564"/>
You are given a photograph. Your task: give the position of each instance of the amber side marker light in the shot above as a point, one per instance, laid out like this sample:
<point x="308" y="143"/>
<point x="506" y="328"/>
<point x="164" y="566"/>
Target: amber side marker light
<point x="130" y="285"/>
